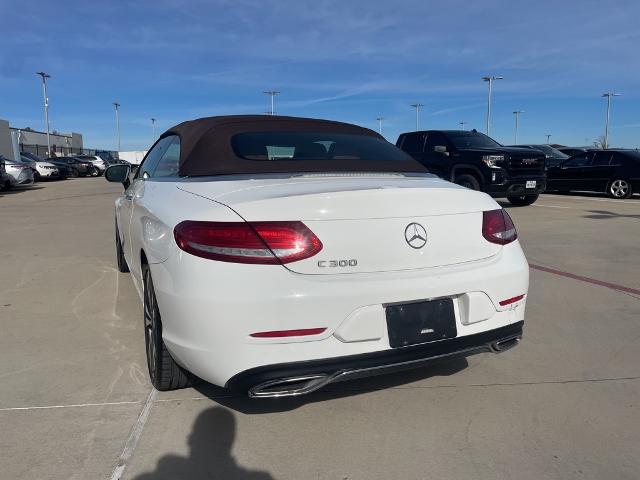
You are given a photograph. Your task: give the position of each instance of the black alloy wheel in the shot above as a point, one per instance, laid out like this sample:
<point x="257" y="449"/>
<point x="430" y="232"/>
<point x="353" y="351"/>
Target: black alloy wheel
<point x="164" y="372"/>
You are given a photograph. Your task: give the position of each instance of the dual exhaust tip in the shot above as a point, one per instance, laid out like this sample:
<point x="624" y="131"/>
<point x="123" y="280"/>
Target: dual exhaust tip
<point x="289" y="387"/>
<point x="304" y="384"/>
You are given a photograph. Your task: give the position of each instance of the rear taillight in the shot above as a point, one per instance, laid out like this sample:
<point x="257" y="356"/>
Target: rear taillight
<point x="268" y="243"/>
<point x="497" y="227"/>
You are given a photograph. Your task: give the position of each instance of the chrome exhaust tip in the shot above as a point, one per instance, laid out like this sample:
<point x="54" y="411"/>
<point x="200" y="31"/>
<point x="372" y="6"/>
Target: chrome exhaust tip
<point x="504" y="345"/>
<point x="289" y="387"/>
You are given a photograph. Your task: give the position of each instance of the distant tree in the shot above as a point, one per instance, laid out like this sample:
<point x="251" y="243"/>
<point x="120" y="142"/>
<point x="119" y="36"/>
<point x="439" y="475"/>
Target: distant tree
<point x="600" y="143"/>
<point x="28" y="129"/>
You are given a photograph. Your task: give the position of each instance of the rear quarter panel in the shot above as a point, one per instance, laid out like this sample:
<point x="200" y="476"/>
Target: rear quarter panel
<point x="158" y="207"/>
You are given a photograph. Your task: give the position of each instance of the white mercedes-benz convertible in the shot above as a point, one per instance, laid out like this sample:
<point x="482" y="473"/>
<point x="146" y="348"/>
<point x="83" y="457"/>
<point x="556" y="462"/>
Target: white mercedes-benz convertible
<point x="275" y="255"/>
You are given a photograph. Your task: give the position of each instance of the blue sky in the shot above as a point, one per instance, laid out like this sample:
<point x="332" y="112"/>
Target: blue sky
<point x="345" y="60"/>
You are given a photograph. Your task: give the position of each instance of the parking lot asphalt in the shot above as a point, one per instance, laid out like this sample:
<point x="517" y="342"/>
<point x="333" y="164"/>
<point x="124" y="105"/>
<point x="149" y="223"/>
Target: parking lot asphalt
<point x="75" y="402"/>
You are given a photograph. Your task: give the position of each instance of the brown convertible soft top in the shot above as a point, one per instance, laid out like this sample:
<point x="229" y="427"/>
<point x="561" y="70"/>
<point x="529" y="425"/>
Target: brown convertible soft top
<point x="206" y="148"/>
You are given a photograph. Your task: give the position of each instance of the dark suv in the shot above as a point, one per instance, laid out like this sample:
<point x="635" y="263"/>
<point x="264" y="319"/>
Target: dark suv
<point x="476" y="161"/>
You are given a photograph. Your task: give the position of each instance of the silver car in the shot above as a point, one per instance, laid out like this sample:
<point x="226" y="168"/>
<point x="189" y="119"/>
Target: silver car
<point x="5" y="183"/>
<point x="20" y="174"/>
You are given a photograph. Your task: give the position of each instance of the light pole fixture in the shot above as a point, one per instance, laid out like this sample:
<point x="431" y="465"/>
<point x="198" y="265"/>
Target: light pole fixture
<point x="548" y="139"/>
<point x="46" y="107"/>
<point x="462" y="124"/>
<point x="417" y="107"/>
<point x="606" y="125"/>
<point x="272" y="94"/>
<point x="153" y="129"/>
<point x="517" y="115"/>
<point x="117" y="105"/>
<point x="490" y="79"/>
<point x="379" y="119"/>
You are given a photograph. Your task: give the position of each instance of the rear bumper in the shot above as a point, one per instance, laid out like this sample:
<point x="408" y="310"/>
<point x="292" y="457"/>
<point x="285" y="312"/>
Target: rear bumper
<point x="210" y="309"/>
<point x="298" y="378"/>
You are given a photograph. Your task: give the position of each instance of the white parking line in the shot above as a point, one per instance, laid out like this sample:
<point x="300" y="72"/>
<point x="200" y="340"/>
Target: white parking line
<point x="134" y="437"/>
<point x="76" y="405"/>
<point x="550" y="206"/>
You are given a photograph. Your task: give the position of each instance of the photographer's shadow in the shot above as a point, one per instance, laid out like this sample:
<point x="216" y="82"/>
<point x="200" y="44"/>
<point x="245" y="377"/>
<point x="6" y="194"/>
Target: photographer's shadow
<point x="210" y="457"/>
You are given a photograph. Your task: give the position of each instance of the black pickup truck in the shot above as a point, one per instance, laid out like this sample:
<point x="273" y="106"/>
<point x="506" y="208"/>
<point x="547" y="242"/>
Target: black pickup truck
<point x="476" y="161"/>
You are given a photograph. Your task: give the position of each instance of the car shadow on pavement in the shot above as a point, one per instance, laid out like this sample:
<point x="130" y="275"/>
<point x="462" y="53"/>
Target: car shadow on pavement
<point x="210" y="444"/>
<point x="253" y="406"/>
<point x="15" y="190"/>
<point x="604" y="214"/>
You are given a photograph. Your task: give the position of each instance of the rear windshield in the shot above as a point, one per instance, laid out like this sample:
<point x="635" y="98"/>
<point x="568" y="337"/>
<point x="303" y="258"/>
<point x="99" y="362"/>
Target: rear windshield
<point x="268" y="146"/>
<point x="465" y="140"/>
<point x="551" y="152"/>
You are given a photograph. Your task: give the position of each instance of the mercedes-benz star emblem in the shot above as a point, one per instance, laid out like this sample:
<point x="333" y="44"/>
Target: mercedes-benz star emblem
<point x="415" y="235"/>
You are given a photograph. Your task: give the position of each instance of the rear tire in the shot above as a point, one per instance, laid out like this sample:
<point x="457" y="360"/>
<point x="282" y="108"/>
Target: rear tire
<point x="619" y="188"/>
<point x="468" y="181"/>
<point x="164" y="372"/>
<point x="122" y="262"/>
<point x="94" y="172"/>
<point x="523" y="200"/>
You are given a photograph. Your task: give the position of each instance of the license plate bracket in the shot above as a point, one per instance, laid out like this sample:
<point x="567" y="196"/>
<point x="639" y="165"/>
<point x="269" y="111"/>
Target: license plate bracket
<point x="420" y="322"/>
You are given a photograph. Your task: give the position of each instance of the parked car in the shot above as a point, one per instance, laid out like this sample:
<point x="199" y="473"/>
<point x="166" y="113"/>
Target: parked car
<point x="5" y="181"/>
<point x="614" y="171"/>
<point x="107" y="156"/>
<point x="78" y="167"/>
<point x="29" y="162"/>
<point x="553" y="156"/>
<point x="99" y="164"/>
<point x="41" y="170"/>
<point x="571" y="151"/>
<point x="20" y="174"/>
<point x="476" y="161"/>
<point x="65" y="170"/>
<point x="274" y="255"/>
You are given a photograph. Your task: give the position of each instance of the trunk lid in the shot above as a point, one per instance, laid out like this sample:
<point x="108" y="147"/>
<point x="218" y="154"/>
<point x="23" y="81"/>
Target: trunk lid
<point x="367" y="223"/>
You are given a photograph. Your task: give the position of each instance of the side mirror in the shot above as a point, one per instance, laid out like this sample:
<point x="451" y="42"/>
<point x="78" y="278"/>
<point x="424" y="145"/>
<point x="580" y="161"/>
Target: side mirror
<point x="118" y="173"/>
<point x="440" y="149"/>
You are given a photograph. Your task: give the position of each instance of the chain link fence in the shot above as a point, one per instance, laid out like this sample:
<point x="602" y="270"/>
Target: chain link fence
<point x="58" y="151"/>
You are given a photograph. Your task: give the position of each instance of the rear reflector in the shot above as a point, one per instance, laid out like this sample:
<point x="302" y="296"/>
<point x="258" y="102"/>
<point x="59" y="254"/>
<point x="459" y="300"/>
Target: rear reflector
<point x="497" y="227"/>
<point x="289" y="333"/>
<point x="511" y="300"/>
<point x="270" y="243"/>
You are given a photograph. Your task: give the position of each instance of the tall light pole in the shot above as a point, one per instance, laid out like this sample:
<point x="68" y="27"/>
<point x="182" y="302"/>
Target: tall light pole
<point x="153" y="129"/>
<point x="517" y="115"/>
<point x="606" y="125"/>
<point x="379" y="119"/>
<point x="462" y="124"/>
<point x="46" y="107"/>
<point x="548" y="139"/>
<point x="417" y="107"/>
<point x="490" y="79"/>
<point x="117" y="105"/>
<point x="272" y="94"/>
